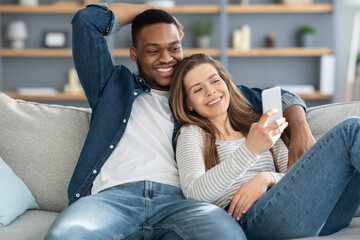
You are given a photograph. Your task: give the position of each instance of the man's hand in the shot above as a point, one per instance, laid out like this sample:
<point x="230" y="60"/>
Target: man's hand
<point x="249" y="193"/>
<point x="301" y="138"/>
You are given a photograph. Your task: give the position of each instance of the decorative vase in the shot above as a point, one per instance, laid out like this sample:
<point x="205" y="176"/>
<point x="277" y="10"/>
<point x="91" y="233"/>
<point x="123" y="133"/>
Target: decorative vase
<point x="29" y="2"/>
<point x="203" y="41"/>
<point x="307" y="40"/>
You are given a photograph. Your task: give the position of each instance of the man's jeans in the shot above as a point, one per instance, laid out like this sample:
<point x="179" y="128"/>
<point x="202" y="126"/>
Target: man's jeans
<point x="318" y="196"/>
<point x="143" y="210"/>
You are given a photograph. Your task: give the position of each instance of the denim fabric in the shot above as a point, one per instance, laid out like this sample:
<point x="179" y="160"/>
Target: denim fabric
<point x="111" y="91"/>
<point x="143" y="210"/>
<point x="318" y="196"/>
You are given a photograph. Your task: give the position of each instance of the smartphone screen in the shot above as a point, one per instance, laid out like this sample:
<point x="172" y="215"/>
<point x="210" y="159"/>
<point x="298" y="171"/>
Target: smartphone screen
<point x="271" y="98"/>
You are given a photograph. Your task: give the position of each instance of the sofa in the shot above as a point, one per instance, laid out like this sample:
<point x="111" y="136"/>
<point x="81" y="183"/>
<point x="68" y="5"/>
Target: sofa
<point x="41" y="144"/>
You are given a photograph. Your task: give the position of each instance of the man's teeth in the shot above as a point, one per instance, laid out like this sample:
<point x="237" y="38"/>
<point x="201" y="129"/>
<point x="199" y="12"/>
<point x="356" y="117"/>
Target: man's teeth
<point x="164" y="69"/>
<point x="215" y="101"/>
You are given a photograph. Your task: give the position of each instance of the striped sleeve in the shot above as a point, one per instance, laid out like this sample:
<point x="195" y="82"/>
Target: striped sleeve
<point x="198" y="184"/>
<point x="281" y="157"/>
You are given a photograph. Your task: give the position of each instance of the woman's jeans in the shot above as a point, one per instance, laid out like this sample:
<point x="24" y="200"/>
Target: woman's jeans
<point x="143" y="210"/>
<point x="318" y="196"/>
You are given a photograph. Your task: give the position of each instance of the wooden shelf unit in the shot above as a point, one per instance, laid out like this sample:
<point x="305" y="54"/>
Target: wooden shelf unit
<point x="64" y="8"/>
<point x="279" y="8"/>
<point x="124" y="52"/>
<point x="191" y="9"/>
<point x="36" y="52"/>
<point x="280" y="52"/>
<point x="73" y="7"/>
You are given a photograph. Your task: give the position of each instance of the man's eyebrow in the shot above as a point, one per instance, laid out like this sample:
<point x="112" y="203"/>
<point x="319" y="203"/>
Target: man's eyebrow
<point x="157" y="44"/>
<point x="196" y="84"/>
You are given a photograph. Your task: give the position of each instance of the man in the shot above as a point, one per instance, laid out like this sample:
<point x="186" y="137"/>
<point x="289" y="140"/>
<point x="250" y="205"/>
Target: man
<point x="127" y="161"/>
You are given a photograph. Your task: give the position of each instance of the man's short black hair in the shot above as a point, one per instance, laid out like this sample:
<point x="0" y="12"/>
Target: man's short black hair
<point x="149" y="17"/>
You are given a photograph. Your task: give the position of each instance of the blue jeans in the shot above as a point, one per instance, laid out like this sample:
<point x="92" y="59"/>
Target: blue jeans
<point x="143" y="210"/>
<point x="318" y="196"/>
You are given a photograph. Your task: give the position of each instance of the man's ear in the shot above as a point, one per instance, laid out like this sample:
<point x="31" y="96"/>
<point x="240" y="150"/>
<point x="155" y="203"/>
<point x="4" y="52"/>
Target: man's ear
<point x="133" y="53"/>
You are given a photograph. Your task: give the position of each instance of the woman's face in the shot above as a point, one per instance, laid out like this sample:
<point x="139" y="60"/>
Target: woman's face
<point x="207" y="92"/>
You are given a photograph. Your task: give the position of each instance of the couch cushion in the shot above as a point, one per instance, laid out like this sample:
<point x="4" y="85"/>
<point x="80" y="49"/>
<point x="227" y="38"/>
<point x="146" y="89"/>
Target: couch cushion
<point x="323" y="118"/>
<point x="16" y="197"/>
<point x="32" y="225"/>
<point x="42" y="143"/>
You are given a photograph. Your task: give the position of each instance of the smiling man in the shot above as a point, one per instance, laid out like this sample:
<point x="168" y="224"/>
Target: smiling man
<point x="126" y="183"/>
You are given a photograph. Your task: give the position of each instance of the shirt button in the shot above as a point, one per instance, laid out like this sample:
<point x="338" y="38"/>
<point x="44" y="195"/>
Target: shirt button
<point x="140" y="80"/>
<point x="77" y="195"/>
<point x="124" y="121"/>
<point x="111" y="146"/>
<point x="94" y="171"/>
<point x="135" y="93"/>
<point x="147" y="90"/>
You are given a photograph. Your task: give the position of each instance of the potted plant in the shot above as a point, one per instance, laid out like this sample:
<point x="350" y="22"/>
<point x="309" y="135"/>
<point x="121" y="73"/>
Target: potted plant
<point x="202" y="31"/>
<point x="306" y="34"/>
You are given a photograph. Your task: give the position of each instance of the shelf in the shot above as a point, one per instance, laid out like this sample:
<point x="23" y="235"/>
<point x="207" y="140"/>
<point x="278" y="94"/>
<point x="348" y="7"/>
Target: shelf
<point x="50" y="8"/>
<point x="316" y="96"/>
<point x="280" y="8"/>
<point x="57" y="97"/>
<point x="280" y="52"/>
<point x="191" y="9"/>
<point x="124" y="52"/>
<point x="36" y="52"/>
<point x="74" y="7"/>
<point x="194" y="9"/>
<point x="66" y="52"/>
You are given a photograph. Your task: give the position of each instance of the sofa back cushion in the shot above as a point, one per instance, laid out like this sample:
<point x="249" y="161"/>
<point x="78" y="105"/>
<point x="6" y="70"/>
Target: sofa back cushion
<point x="42" y="143"/>
<point x="323" y="118"/>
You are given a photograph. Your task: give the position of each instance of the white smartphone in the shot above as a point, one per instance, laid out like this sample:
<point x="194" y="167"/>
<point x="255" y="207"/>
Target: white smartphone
<point x="271" y="98"/>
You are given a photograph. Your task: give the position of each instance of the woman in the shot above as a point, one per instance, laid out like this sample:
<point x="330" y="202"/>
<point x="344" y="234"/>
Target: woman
<point x="229" y="155"/>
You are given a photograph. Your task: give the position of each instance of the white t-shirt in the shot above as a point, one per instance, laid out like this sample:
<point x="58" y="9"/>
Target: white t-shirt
<point x="145" y="151"/>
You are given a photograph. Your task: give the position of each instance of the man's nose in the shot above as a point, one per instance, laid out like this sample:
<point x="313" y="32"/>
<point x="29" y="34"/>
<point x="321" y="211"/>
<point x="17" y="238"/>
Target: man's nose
<point x="165" y="57"/>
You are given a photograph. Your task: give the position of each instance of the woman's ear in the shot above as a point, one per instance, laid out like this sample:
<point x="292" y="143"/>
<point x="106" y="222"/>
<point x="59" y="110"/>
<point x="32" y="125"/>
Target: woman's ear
<point x="133" y="53"/>
<point x="189" y="106"/>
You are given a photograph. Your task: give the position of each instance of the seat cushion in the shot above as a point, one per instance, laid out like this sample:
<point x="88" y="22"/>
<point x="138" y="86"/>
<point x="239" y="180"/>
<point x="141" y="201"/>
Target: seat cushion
<point x="32" y="225"/>
<point x="41" y="143"/>
<point x="351" y="232"/>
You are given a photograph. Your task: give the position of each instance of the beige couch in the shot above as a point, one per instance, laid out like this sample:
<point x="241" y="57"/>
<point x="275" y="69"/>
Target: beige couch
<point x="41" y="143"/>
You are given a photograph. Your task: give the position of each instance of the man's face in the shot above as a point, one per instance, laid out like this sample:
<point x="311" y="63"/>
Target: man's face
<point x="157" y="52"/>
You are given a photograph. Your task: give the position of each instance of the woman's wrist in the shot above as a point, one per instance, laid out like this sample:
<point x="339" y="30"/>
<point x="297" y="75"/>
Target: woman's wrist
<point x="268" y="178"/>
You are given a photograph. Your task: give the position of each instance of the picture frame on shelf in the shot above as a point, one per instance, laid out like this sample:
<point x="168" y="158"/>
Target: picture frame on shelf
<point x="55" y="39"/>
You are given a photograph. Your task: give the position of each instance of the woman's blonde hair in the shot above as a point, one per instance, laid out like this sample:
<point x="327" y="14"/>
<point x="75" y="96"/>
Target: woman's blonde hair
<point x="240" y="112"/>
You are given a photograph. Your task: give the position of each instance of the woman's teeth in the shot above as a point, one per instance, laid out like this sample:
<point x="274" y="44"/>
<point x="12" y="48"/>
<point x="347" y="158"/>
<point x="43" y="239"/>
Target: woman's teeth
<point x="215" y="101"/>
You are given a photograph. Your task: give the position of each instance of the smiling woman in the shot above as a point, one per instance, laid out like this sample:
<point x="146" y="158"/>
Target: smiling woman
<point x="231" y="156"/>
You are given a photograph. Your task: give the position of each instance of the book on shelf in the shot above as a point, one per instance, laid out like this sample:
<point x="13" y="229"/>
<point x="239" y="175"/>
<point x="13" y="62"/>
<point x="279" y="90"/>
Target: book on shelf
<point x="41" y="91"/>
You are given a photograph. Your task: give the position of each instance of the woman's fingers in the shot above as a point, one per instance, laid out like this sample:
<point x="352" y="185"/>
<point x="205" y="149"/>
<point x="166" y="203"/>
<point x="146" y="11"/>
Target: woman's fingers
<point x="265" y="117"/>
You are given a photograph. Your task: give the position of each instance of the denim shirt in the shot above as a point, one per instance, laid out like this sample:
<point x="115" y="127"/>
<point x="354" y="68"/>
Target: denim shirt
<point x="111" y="91"/>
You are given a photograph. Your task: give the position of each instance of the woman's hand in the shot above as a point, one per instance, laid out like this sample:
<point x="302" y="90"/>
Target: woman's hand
<point x="262" y="136"/>
<point x="249" y="193"/>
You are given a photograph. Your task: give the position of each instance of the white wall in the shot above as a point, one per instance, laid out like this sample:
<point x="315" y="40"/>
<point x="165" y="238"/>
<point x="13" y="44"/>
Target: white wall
<point x="344" y="25"/>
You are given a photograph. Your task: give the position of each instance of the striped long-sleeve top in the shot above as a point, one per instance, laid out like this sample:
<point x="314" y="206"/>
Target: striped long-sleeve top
<point x="237" y="166"/>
